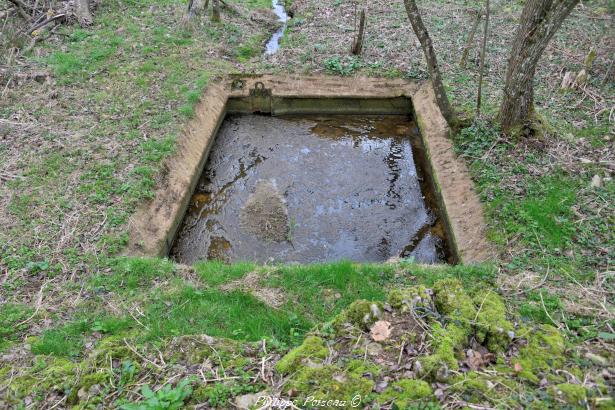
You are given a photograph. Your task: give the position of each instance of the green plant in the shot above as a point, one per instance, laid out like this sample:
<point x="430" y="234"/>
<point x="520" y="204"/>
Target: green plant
<point x="472" y="142"/>
<point x="344" y="67"/>
<point x="167" y="398"/>
<point x="127" y="373"/>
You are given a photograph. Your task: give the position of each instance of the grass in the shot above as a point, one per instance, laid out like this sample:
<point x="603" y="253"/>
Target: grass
<point x="540" y="215"/>
<point x="62" y="341"/>
<point x="13" y="319"/>
<point x="129" y="274"/>
<point x="216" y="273"/>
<point x="193" y="311"/>
<point x="172" y="306"/>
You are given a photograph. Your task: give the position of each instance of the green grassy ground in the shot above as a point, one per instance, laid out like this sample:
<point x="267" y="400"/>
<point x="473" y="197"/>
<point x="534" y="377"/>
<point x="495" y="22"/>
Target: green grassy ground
<point x="82" y="149"/>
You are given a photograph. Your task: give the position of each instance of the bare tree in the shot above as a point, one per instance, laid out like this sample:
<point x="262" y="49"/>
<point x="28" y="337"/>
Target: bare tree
<point x="539" y="21"/>
<point x="432" y="63"/>
<point x="357" y="44"/>
<point x="470" y="41"/>
<point x="481" y="72"/>
<point x="196" y="7"/>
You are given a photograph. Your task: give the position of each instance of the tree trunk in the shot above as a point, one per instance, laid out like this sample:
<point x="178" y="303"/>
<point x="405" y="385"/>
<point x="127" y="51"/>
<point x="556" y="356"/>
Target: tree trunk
<point x="357" y="44"/>
<point x="432" y="63"/>
<point x="215" y="11"/>
<point x="539" y="21"/>
<point x="470" y="42"/>
<point x="481" y="72"/>
<point x="82" y="11"/>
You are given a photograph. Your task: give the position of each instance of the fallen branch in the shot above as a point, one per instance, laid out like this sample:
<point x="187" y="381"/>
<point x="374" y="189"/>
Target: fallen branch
<point x="21" y="9"/>
<point x="46" y="22"/>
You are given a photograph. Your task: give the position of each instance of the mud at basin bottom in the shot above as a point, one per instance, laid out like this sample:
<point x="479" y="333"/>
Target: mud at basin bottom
<point x="312" y="189"/>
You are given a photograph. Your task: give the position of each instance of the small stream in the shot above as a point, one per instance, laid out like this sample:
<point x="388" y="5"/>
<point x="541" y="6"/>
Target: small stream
<point x="274" y="43"/>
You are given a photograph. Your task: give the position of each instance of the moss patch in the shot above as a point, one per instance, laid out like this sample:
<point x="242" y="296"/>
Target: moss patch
<point x="452" y="300"/>
<point x="447" y="343"/>
<point x="312" y="348"/>
<point x="406" y="392"/>
<point x="409" y="298"/>
<point x="330" y="382"/>
<point x="363" y="314"/>
<point x="544" y="351"/>
<point x="492" y="328"/>
<point x="571" y="393"/>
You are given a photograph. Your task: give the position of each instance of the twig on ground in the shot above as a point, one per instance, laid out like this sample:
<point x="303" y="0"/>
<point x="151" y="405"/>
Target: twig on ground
<point x="547" y="312"/>
<point x="132" y="349"/>
<point x="39" y="301"/>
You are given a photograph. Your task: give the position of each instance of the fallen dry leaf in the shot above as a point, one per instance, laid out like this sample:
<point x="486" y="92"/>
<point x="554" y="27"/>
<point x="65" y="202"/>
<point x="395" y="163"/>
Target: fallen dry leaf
<point x="381" y="330"/>
<point x="475" y="359"/>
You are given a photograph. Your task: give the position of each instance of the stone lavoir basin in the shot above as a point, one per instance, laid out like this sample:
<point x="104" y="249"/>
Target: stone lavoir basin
<point x="313" y="169"/>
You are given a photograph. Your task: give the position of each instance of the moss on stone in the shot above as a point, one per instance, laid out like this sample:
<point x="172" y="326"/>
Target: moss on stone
<point x="543" y="353"/>
<point x="470" y="381"/>
<point x="362" y="367"/>
<point x="220" y="395"/>
<point x="330" y="382"/>
<point x="59" y="373"/>
<point x="451" y="300"/>
<point x="604" y="403"/>
<point x="86" y="382"/>
<point x="492" y="328"/>
<point x="571" y="393"/>
<point x="447" y="343"/>
<point x="21" y="386"/>
<point x="196" y="348"/>
<point x="91" y="379"/>
<point x="480" y="386"/>
<point x="405" y="298"/>
<point x="363" y="313"/>
<point x="406" y="391"/>
<point x="313" y="347"/>
<point x="111" y="347"/>
<point x="4" y="371"/>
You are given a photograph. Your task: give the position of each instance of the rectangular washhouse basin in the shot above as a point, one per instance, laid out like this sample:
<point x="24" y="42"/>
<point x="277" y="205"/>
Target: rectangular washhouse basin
<point x="306" y="169"/>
